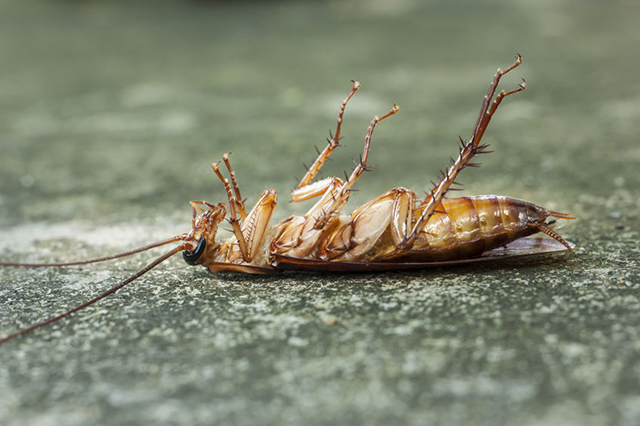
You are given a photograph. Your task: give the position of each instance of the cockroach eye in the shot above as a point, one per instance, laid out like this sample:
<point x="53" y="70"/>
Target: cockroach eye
<point x="191" y="257"/>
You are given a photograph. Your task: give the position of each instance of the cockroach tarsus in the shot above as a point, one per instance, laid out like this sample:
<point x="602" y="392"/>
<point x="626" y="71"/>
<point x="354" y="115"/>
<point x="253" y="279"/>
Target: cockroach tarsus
<point x="394" y="231"/>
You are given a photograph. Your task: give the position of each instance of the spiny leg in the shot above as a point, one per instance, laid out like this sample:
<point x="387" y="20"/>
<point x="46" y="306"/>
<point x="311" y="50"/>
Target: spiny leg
<point x="361" y="167"/>
<point x="332" y="143"/>
<point x="340" y="199"/>
<point x="473" y="144"/>
<point x="484" y="117"/>
<point x="236" y="188"/>
<point x="300" y="235"/>
<point x="234" y="221"/>
<point x="467" y="152"/>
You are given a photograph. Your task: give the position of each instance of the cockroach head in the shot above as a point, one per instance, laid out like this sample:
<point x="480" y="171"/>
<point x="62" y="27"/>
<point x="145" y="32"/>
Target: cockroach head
<point x="201" y="238"/>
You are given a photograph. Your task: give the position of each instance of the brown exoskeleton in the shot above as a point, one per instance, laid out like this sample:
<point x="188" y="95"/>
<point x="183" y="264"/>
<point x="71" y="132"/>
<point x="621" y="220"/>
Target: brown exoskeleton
<point x="393" y="231"/>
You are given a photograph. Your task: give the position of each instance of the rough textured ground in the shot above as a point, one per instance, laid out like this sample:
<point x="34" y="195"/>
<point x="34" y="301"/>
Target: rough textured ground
<point x="110" y="114"/>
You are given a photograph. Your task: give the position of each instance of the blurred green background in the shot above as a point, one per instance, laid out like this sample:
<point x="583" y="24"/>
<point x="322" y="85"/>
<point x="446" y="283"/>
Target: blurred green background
<point x="111" y="113"/>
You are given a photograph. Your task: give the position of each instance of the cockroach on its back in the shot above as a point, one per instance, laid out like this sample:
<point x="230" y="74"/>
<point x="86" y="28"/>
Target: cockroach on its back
<point x="393" y="231"/>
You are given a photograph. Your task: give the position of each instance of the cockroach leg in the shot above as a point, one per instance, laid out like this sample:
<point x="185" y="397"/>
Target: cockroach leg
<point x="254" y="228"/>
<point x="333" y="143"/>
<point x="494" y="107"/>
<point x="299" y="236"/>
<point x="233" y="220"/>
<point x="343" y="194"/>
<point x="468" y="150"/>
<point x="315" y="189"/>
<point x="492" y="91"/>
<point x="236" y="188"/>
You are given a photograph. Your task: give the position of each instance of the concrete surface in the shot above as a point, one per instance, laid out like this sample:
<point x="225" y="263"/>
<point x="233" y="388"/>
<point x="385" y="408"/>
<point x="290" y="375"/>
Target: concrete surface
<point x="111" y="113"/>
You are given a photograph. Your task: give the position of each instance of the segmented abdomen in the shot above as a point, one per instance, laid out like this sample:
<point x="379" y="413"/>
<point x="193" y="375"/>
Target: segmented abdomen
<point x="468" y="226"/>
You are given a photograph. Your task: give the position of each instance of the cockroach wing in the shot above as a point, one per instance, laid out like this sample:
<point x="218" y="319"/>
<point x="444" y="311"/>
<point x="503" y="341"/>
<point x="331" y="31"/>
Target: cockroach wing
<point x="519" y="248"/>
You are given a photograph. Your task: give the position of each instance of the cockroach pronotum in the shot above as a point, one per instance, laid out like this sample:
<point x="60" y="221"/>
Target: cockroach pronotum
<point x="391" y="232"/>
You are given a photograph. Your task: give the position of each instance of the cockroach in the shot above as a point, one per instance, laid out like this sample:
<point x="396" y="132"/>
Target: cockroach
<point x="391" y="232"/>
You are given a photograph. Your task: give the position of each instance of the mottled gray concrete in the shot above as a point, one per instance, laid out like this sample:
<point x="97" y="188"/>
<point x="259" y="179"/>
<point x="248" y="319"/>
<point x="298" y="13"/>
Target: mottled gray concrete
<point x="110" y="114"/>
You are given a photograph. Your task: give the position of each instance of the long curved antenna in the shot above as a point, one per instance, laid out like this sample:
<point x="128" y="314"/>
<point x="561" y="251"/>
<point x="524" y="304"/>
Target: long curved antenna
<point x="97" y="298"/>
<point x="98" y="259"/>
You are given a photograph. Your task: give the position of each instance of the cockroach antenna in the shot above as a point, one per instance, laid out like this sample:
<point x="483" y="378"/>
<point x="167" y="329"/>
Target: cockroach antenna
<point x="112" y="290"/>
